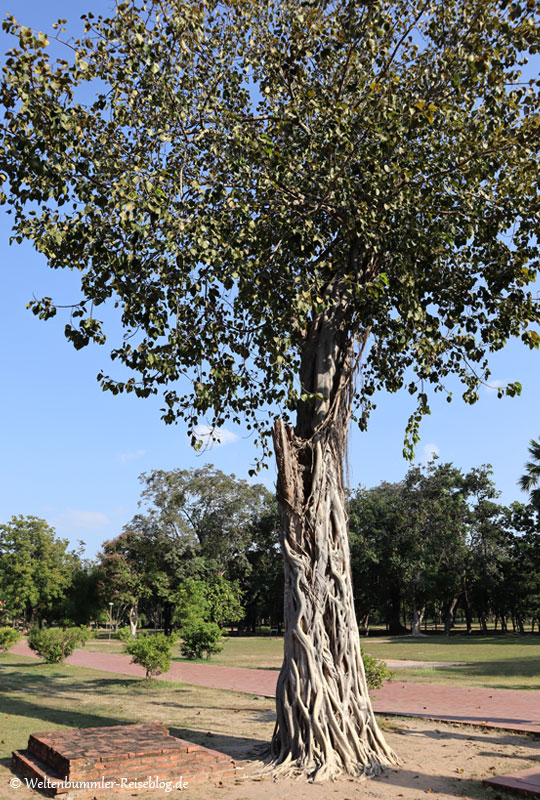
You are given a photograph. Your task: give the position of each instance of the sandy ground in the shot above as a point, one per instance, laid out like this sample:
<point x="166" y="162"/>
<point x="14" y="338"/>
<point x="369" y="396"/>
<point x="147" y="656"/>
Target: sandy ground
<point x="439" y="760"/>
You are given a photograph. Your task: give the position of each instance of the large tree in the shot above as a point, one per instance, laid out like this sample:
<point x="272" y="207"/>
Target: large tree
<point x="205" y="516"/>
<point x="130" y="570"/>
<point x="292" y="204"/>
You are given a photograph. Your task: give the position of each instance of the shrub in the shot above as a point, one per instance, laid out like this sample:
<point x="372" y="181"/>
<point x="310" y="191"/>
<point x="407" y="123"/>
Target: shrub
<point x="200" y="637"/>
<point x="153" y="652"/>
<point x="56" y="644"/>
<point x="376" y="671"/>
<point x="8" y="637"/>
<point x="124" y="633"/>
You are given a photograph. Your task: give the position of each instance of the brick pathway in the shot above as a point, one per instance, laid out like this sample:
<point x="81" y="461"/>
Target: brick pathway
<point x="495" y="708"/>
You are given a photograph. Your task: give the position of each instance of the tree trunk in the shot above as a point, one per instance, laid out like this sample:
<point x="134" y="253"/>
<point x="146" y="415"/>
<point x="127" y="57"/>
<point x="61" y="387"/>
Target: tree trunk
<point x="468" y="613"/>
<point x="395" y="628"/>
<point x="449" y="621"/>
<point x="365" y="624"/>
<point x="325" y="723"/>
<point x="133" y="618"/>
<point x="167" y="618"/>
<point x="416" y="619"/>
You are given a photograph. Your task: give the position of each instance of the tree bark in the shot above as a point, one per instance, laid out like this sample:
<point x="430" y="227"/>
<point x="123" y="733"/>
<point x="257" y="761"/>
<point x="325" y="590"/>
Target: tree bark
<point x="416" y="619"/>
<point x="325" y="723"/>
<point x="133" y="618"/>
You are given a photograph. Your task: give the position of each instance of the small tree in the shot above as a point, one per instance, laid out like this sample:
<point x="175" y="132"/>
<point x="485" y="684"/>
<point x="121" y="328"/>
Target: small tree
<point x="376" y="670"/>
<point x="56" y="644"/>
<point x="201" y="639"/>
<point x="8" y="637"/>
<point x="153" y="652"/>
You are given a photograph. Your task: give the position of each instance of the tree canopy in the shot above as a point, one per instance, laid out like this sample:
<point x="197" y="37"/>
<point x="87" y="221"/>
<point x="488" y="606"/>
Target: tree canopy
<point x="36" y="568"/>
<point x="229" y="173"/>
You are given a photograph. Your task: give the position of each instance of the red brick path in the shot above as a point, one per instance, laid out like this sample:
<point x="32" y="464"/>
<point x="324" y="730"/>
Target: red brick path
<point x="496" y="708"/>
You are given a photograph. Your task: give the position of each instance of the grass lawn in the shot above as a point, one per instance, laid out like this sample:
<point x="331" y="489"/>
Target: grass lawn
<point x="497" y="662"/>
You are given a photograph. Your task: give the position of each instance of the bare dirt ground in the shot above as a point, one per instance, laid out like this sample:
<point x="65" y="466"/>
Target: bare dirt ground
<point x="439" y="760"/>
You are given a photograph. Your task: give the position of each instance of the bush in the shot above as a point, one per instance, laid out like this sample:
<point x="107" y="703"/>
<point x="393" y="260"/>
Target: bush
<point x="376" y="671"/>
<point x="56" y="644"/>
<point x="8" y="637"/>
<point x="201" y="637"/>
<point x="153" y="652"/>
<point x="123" y="633"/>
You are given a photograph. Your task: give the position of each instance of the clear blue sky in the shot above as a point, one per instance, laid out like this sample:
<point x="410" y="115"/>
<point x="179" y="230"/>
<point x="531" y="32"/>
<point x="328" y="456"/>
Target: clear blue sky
<point x="71" y="454"/>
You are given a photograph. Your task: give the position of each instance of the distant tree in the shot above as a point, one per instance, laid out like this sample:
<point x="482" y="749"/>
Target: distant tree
<point x="190" y="602"/>
<point x="224" y="600"/>
<point x="435" y="519"/>
<point x="374" y="521"/>
<point x="487" y="548"/>
<point x="36" y="568"/>
<point x="81" y="602"/>
<point x="522" y="575"/>
<point x="409" y="544"/>
<point x="262" y="585"/>
<point x="129" y="572"/>
<point x="530" y="480"/>
<point x="205" y="515"/>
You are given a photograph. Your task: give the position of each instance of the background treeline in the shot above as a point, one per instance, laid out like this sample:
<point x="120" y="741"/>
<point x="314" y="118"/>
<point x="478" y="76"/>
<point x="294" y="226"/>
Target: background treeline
<point x="205" y="545"/>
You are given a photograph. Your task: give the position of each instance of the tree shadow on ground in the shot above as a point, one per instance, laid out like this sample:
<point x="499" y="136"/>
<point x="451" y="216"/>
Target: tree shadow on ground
<point x="472" y="735"/>
<point x="240" y="748"/>
<point x="525" y="640"/>
<point x="16" y="706"/>
<point x="515" y="669"/>
<point x="260" y="714"/>
<point x="434" y="785"/>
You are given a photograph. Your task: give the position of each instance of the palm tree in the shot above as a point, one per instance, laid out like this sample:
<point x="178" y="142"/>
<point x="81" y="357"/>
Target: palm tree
<point x="530" y="481"/>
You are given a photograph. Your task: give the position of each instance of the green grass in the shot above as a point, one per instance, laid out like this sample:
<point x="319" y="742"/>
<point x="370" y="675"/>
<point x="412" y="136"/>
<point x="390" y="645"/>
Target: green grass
<point x="497" y="662"/>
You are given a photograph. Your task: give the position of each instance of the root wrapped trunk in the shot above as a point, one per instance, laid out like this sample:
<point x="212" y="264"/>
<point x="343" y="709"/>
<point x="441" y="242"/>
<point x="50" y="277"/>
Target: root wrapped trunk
<point x="325" y="723"/>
